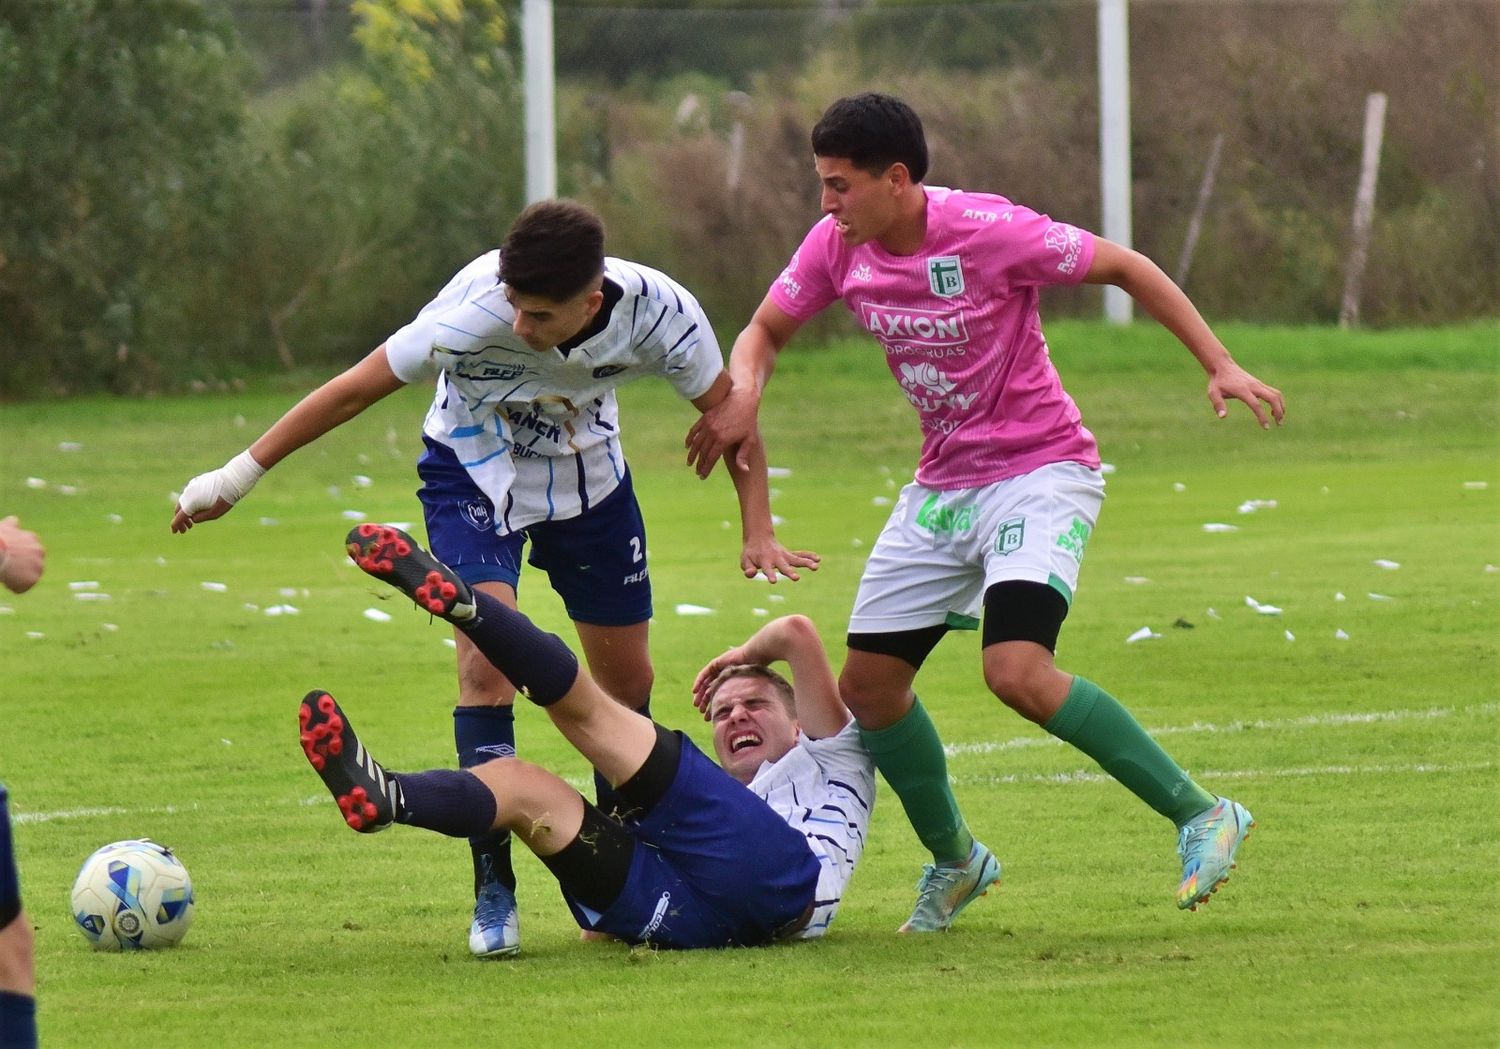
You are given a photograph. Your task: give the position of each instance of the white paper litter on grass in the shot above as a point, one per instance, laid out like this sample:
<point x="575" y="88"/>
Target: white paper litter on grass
<point x="1106" y="468"/>
<point x="1178" y="486"/>
<point x="282" y="610"/>
<point x="1265" y="610"/>
<point x="450" y="642"/>
<point x="35" y="482"/>
<point x="111" y="627"/>
<point x="1381" y="562"/>
<point x="354" y="515"/>
<point x="1339" y="635"/>
<point x="114" y="518"/>
<point x="361" y="481"/>
<point x="1213" y="614"/>
<point x="1219" y="526"/>
<point x="760" y="612"/>
<point x="92" y="595"/>
<point x="693" y="610"/>
<point x="1339" y="596"/>
<point x="84" y="584"/>
<point x="1492" y="568"/>
<point x="6" y="610"/>
<point x="67" y="489"/>
<point x="776" y="597"/>
<point x="778" y="471"/>
<point x="1289" y="635"/>
<point x="217" y="588"/>
<point x="880" y="500"/>
<point x="267" y="522"/>
<point x="1137" y="580"/>
<point x="1476" y="486"/>
<point x="35" y="635"/>
<point x="251" y="606"/>
<point x="1145" y="633"/>
<point x="240" y="422"/>
<point x="69" y="446"/>
<point x="1380" y="597"/>
<point x="375" y="615"/>
<point x="1249" y="506"/>
<point x="778" y="520"/>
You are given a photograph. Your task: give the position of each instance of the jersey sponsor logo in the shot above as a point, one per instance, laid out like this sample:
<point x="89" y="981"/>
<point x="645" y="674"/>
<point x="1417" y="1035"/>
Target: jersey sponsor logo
<point x="930" y="390"/>
<point x="945" y="275"/>
<point x="496" y="750"/>
<point x="944" y="520"/>
<point x="1075" y="539"/>
<point x="893" y="325"/>
<point x="636" y="577"/>
<point x="478" y="513"/>
<point x="1010" y="536"/>
<point x="488" y="371"/>
<point x="657" y="917"/>
<point x="1067" y="242"/>
<point x="789" y="284"/>
<point x="981" y="216"/>
<point x="862" y="272"/>
<point x="604" y="371"/>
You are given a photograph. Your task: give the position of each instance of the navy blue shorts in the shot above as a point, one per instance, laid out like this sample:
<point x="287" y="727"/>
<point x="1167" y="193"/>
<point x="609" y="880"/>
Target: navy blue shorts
<point x="715" y="866"/>
<point x="10" y="881"/>
<point x="596" y="562"/>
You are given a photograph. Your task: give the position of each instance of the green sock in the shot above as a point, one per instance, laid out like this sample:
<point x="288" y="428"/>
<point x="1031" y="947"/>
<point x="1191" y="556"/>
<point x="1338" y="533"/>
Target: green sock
<point x="910" y="756"/>
<point x="1095" y="722"/>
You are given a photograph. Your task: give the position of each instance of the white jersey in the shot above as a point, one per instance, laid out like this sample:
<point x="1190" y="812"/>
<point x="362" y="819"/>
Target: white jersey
<point x="824" y="788"/>
<point x="539" y="431"/>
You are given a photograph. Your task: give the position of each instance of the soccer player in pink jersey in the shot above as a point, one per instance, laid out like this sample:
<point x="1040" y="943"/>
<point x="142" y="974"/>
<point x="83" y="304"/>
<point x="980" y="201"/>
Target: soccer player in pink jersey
<point x="1008" y="488"/>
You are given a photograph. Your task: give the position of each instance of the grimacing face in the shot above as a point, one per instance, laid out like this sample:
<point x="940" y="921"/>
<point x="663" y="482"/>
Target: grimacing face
<point x="544" y="323"/>
<point x="751" y="725"/>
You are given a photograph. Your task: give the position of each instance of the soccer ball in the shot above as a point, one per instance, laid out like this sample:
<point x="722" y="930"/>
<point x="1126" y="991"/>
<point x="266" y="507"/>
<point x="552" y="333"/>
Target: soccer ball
<point x="133" y="895"/>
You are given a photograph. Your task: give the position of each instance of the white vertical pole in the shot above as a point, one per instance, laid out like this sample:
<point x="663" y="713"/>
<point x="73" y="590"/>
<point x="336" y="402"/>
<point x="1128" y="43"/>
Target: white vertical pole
<point x="541" y="114"/>
<point x="1114" y="140"/>
<point x="1364" y="209"/>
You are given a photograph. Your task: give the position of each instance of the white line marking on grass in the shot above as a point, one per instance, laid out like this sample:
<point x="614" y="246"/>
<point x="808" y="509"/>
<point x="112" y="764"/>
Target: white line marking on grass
<point x="1214" y="775"/>
<point x="1477" y="710"/>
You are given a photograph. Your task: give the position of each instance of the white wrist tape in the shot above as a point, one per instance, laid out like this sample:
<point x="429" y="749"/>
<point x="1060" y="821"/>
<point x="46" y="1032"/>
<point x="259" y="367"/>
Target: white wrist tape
<point x="230" y="482"/>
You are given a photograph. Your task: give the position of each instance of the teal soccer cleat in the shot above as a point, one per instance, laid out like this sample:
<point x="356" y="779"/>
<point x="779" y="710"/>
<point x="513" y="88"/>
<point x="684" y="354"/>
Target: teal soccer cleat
<point x="944" y="891"/>
<point x="1207" y="844"/>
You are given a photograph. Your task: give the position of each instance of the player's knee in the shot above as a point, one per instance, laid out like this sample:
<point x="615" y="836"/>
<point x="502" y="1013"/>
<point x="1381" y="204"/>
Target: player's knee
<point x="17" y="956"/>
<point x="871" y="698"/>
<point x="480" y="684"/>
<point x="1019" y="675"/>
<point x="629" y="686"/>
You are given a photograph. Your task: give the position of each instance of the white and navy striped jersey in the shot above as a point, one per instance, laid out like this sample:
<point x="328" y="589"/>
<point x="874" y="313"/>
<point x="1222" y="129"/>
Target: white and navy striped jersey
<point x="824" y="788"/>
<point x="539" y="431"/>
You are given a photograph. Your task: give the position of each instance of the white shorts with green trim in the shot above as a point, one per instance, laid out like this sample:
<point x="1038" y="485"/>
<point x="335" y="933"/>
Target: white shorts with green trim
<point x="940" y="551"/>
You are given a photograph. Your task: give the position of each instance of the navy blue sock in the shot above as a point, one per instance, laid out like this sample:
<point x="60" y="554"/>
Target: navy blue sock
<point x="450" y="802"/>
<point x="537" y="663"/>
<point x="17" y="1021"/>
<point x="610" y="802"/>
<point x="482" y="733"/>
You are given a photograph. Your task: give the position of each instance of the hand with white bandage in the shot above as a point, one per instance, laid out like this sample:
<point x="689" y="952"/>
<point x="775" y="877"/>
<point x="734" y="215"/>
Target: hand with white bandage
<point x="210" y="495"/>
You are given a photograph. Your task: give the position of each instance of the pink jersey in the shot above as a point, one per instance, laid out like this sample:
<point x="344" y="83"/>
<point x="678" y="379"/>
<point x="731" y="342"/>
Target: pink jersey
<point x="961" y="331"/>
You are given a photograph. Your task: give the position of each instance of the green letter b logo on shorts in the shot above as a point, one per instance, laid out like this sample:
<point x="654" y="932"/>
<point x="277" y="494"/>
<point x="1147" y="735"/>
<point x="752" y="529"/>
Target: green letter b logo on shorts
<point x="1011" y="535"/>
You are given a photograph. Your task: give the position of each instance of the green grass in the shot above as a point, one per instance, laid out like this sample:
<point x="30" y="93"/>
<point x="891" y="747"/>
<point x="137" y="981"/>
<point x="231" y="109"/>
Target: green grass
<point x="1364" y="912"/>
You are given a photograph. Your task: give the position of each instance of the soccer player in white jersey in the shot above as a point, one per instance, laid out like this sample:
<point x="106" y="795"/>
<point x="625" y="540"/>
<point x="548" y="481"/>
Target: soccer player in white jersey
<point x="692" y="858"/>
<point x="522" y="444"/>
<point x="1008" y="488"/>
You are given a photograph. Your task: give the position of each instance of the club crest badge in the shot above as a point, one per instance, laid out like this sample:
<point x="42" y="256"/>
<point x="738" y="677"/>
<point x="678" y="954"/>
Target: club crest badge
<point x="945" y="275"/>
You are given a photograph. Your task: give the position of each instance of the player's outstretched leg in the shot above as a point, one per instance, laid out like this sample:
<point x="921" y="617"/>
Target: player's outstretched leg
<point x="944" y="890"/>
<point x="390" y="554"/>
<point x="1207" y="844"/>
<point x="368" y="797"/>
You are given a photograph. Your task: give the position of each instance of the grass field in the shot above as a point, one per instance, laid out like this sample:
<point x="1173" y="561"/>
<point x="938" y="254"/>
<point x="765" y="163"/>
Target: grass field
<point x="1360" y="725"/>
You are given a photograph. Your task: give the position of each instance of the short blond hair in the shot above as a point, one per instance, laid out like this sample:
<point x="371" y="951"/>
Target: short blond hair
<point x="780" y="685"/>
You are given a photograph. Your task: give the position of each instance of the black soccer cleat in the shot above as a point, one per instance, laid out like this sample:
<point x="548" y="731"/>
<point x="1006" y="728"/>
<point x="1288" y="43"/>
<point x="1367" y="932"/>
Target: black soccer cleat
<point x="391" y="555"/>
<point x="368" y="796"/>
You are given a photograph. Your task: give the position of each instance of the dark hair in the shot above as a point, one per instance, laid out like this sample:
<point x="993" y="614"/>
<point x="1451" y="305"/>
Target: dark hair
<point x="780" y="685"/>
<point x="873" y="131"/>
<point x="554" y="249"/>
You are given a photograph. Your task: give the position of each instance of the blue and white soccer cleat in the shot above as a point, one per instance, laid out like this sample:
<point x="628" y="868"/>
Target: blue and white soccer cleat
<point x="496" y="931"/>
<point x="944" y="891"/>
<point x="1207" y="844"/>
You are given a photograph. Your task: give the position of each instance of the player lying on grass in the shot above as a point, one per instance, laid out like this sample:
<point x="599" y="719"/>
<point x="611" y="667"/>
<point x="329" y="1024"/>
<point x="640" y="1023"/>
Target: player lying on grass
<point x="523" y="445"/>
<point x="695" y="859"/>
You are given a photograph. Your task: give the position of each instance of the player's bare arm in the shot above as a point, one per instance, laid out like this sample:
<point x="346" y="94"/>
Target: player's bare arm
<point x="1145" y="282"/>
<point x="792" y="640"/>
<point x="211" y="495"/>
<point x="761" y="552"/>
<point x="751" y="362"/>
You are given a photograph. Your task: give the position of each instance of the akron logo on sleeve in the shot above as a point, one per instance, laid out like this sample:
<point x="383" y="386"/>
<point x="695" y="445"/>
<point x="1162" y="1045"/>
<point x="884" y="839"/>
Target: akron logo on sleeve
<point x="945" y="275"/>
